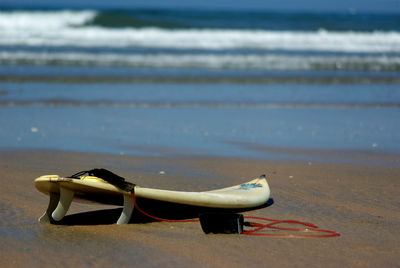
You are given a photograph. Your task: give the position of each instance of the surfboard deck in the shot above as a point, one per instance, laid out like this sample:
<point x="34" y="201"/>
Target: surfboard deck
<point x="92" y="189"/>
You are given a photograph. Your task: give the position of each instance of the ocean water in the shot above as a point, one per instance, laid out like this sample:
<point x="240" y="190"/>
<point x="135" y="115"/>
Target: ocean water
<point x="199" y="82"/>
<point x="231" y="42"/>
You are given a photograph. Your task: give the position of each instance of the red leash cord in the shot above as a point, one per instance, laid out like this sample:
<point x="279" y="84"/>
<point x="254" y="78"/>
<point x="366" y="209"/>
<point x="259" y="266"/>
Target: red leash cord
<point x="314" y="228"/>
<point x="260" y="226"/>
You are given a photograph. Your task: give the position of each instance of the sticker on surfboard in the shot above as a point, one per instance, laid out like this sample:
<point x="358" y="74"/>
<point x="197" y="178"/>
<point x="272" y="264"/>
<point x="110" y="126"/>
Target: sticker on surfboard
<point x="248" y="186"/>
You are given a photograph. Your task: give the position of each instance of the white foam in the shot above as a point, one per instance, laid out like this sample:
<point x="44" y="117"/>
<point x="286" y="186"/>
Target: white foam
<point x="207" y="61"/>
<point x="67" y="28"/>
<point x="35" y="20"/>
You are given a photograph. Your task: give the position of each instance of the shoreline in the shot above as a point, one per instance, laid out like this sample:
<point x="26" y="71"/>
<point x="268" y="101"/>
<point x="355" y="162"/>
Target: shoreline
<point x="272" y="154"/>
<point x="155" y="119"/>
<point x="360" y="202"/>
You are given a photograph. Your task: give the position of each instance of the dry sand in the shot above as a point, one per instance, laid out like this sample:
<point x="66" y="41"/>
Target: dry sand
<point x="359" y="201"/>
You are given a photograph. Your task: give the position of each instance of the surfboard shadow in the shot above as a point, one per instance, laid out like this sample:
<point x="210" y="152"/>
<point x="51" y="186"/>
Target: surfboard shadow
<point x="155" y="208"/>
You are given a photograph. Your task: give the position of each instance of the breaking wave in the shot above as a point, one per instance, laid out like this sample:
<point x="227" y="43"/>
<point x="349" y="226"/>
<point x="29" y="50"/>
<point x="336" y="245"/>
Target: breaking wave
<point x="74" y="29"/>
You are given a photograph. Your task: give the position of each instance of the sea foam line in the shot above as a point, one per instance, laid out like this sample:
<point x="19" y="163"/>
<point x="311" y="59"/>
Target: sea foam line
<point x="204" y="39"/>
<point x="206" y="61"/>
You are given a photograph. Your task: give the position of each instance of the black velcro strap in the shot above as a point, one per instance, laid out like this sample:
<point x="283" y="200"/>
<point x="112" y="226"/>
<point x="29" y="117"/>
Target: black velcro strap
<point x="109" y="177"/>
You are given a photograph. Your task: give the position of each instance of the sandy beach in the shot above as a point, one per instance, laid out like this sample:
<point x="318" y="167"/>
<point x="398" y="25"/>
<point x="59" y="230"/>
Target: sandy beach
<point x="359" y="201"/>
<point x="201" y="99"/>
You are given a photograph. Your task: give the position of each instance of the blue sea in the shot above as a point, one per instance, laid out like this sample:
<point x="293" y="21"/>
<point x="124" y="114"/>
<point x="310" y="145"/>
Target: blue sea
<point x="166" y="82"/>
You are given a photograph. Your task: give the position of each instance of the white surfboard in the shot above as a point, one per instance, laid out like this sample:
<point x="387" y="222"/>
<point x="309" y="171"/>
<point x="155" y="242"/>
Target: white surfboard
<point x="88" y="188"/>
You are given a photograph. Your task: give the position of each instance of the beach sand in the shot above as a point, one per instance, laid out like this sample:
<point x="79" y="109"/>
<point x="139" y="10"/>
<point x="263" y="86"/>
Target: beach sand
<point x="361" y="202"/>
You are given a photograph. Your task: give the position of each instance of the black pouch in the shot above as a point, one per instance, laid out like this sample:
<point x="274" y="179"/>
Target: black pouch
<point x="226" y="223"/>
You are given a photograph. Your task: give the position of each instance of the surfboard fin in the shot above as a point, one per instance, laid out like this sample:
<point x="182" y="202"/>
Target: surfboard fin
<point x="127" y="210"/>
<point x="46" y="217"/>
<point x="66" y="196"/>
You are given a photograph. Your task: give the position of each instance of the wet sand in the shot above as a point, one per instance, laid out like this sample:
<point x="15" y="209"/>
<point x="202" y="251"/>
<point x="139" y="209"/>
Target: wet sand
<point x="360" y="201"/>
